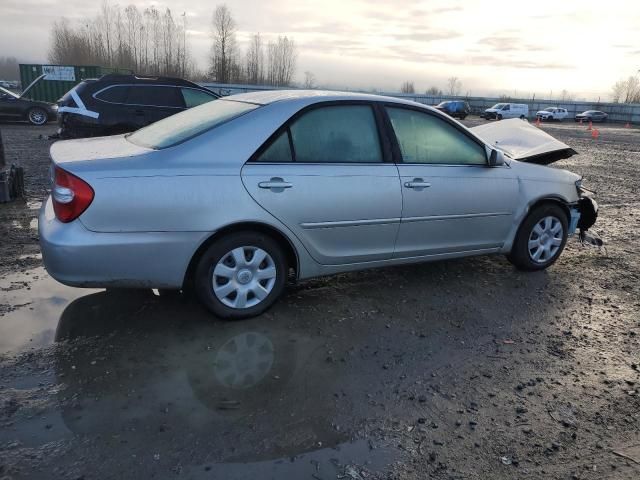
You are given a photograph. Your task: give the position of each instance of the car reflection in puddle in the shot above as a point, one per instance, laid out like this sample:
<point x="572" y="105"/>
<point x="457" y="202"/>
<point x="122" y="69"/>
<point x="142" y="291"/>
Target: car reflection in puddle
<point x="166" y="380"/>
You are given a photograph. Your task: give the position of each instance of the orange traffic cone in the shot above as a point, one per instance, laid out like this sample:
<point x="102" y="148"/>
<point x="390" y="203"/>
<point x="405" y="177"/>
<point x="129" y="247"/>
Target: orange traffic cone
<point x="628" y="125"/>
<point x="595" y="133"/>
<point x="580" y="121"/>
<point x="537" y="121"/>
<point x="590" y="125"/>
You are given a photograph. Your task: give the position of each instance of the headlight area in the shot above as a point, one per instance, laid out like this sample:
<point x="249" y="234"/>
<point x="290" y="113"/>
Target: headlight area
<point x="584" y="213"/>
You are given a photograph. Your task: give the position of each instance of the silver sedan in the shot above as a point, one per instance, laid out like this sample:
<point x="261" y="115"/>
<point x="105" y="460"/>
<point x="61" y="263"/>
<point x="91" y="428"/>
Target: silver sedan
<point x="235" y="196"/>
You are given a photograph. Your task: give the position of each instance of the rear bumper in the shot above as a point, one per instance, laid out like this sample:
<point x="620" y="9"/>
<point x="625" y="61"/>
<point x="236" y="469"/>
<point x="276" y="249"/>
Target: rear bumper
<point x="79" y="257"/>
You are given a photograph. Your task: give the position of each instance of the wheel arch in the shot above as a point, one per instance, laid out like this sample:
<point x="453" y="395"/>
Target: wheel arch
<point x="547" y="199"/>
<point x="273" y="232"/>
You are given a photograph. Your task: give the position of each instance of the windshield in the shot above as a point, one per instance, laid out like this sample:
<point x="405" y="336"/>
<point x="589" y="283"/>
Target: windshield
<point x="443" y="104"/>
<point x="188" y="124"/>
<point x="550" y="109"/>
<point x="9" y="92"/>
<point x="499" y="106"/>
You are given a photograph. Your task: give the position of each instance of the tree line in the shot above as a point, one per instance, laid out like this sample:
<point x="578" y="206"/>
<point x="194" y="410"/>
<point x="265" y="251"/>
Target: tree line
<point x="148" y="42"/>
<point x="154" y="42"/>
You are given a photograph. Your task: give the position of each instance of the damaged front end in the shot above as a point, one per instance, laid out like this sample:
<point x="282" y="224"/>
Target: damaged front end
<point x="587" y="214"/>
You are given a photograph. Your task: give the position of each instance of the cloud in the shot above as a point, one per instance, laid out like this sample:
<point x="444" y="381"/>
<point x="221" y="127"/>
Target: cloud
<point x="509" y="44"/>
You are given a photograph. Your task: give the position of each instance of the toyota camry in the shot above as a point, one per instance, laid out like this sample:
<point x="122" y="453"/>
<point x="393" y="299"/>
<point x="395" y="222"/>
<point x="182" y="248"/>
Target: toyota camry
<point x="235" y="196"/>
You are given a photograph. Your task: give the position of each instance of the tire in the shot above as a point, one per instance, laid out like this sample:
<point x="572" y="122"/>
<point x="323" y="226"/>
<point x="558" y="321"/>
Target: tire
<point x="228" y="256"/>
<point x="37" y="116"/>
<point x="541" y="225"/>
<point x="499" y="117"/>
<point x="521" y="117"/>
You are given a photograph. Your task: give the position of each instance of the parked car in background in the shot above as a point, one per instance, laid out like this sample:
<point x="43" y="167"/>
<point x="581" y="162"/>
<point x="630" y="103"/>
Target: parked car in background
<point x="455" y="108"/>
<point x="15" y="106"/>
<point x="592" y="116"/>
<point x="116" y="104"/>
<point x="507" y="110"/>
<point x="234" y="197"/>
<point x="552" y="113"/>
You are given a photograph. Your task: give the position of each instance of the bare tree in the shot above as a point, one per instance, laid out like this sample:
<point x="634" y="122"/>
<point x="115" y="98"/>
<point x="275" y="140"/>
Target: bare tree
<point x="309" y="80"/>
<point x="627" y="91"/>
<point x="282" y="57"/>
<point x="255" y="60"/>
<point x="9" y="69"/>
<point x="224" y="44"/>
<point x="454" y="86"/>
<point x="566" y="96"/>
<point x="407" y="87"/>
<point x="434" y="91"/>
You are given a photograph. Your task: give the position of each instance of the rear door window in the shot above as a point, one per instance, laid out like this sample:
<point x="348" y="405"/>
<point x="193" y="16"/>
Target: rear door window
<point x="155" y="96"/>
<point x="337" y="134"/>
<point x="115" y="94"/>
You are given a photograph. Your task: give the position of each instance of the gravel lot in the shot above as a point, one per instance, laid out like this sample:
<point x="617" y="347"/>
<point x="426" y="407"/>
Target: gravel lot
<point x="462" y="369"/>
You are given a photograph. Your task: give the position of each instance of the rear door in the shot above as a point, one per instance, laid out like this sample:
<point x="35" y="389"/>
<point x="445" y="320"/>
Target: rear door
<point x="327" y="175"/>
<point x="150" y="103"/>
<point x="453" y="201"/>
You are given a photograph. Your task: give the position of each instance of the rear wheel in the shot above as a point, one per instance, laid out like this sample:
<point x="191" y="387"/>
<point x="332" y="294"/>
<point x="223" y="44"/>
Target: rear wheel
<point x="521" y="117"/>
<point x="37" y="116"/>
<point x="241" y="275"/>
<point x="540" y="239"/>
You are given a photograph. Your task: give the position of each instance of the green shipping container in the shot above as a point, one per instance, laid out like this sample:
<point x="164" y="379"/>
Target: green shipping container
<point x="59" y="80"/>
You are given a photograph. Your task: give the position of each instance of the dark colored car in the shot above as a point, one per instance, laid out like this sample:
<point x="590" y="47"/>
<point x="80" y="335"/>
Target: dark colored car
<point x="455" y="108"/>
<point x="592" y="116"/>
<point x="17" y="107"/>
<point x="115" y="104"/>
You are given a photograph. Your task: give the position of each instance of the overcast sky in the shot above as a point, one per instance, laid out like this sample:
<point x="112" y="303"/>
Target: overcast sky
<point x="494" y="46"/>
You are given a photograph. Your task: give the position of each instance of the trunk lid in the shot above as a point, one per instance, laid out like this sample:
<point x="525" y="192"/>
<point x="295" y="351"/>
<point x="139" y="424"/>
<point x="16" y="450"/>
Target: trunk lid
<point x="91" y="149"/>
<point x="524" y="142"/>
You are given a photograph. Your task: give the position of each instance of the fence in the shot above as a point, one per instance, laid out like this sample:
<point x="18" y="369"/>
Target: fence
<point x="618" y="112"/>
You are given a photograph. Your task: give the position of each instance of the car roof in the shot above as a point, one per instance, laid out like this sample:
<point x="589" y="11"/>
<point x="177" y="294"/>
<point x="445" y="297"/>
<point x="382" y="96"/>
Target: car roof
<point x="314" y="96"/>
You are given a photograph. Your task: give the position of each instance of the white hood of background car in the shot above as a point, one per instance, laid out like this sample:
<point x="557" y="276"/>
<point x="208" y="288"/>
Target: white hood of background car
<point x="524" y="142"/>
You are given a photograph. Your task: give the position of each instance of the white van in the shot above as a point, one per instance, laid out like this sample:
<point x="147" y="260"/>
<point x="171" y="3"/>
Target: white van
<point x="507" y="110"/>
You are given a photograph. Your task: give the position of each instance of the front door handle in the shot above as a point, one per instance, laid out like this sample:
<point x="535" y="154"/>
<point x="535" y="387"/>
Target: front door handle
<point x="417" y="183"/>
<point x="276" y="184"/>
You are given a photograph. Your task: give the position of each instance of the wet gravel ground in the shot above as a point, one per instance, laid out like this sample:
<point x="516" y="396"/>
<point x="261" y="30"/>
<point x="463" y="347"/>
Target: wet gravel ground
<point x="463" y="369"/>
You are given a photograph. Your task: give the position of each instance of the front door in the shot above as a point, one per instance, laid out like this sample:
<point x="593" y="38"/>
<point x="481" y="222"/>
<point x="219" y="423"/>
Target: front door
<point x="452" y="201"/>
<point x="325" y="176"/>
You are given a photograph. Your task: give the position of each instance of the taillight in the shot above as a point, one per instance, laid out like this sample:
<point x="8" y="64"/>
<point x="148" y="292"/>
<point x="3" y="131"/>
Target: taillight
<point x="71" y="195"/>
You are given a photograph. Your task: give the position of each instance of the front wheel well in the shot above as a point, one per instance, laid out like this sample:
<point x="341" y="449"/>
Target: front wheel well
<point x="274" y="233"/>
<point x="550" y="200"/>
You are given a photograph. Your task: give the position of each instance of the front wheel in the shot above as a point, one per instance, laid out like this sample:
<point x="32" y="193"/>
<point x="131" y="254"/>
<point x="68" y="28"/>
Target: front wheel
<point x="540" y="239"/>
<point x="521" y="117"/>
<point x="37" y="116"/>
<point x="241" y="275"/>
<point x="499" y="117"/>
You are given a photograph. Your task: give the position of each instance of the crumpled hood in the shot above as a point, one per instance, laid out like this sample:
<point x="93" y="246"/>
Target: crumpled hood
<point x="524" y="142"/>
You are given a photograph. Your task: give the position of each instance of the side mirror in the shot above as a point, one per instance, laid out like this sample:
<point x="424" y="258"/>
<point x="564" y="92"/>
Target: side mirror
<point x="496" y="158"/>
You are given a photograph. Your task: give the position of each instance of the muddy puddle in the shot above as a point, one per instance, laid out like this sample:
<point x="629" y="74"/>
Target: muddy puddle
<point x="159" y="378"/>
<point x="31" y="303"/>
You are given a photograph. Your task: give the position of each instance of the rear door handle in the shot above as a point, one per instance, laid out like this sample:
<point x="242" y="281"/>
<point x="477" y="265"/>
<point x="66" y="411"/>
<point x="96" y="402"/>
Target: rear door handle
<point x="417" y="183"/>
<point x="276" y="184"/>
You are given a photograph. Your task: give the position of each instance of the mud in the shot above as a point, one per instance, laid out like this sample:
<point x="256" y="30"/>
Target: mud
<point x="455" y="370"/>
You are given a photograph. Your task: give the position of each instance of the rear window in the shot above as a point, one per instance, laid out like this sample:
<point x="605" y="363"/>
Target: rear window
<point x="188" y="124"/>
